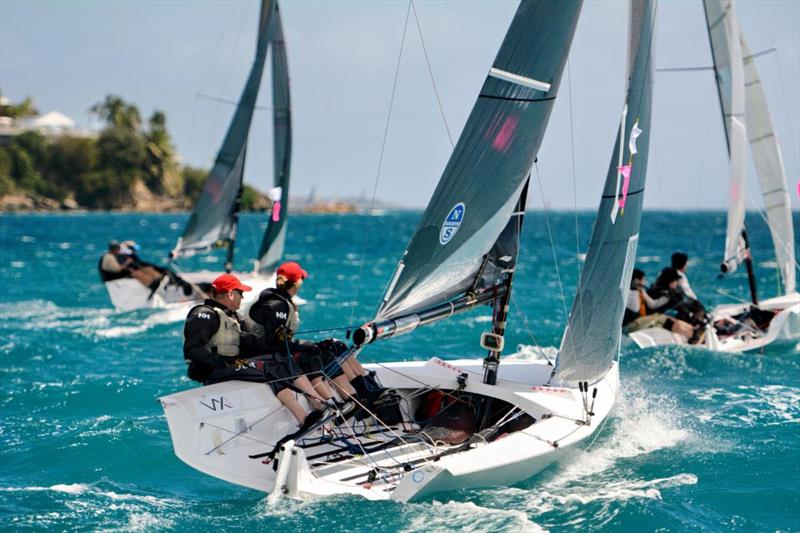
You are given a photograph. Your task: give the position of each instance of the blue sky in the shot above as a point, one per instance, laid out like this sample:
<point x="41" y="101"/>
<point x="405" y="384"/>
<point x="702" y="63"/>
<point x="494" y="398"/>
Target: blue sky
<point x="342" y="56"/>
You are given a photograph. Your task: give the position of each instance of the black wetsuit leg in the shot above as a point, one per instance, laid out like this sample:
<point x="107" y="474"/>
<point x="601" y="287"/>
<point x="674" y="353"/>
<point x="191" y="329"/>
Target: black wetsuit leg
<point x="275" y="374"/>
<point x="246" y="373"/>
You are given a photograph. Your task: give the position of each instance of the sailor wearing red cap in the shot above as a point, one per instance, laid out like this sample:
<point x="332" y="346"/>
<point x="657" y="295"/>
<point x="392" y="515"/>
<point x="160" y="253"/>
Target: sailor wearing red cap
<point x="217" y="348"/>
<point x="276" y="318"/>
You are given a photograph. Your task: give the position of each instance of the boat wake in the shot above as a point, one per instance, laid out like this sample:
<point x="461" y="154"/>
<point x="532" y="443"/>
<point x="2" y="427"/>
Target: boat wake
<point x="591" y="486"/>
<point x="167" y="316"/>
<point x="40" y="315"/>
<point x="749" y="405"/>
<point x="468" y="516"/>
<point x="105" y="508"/>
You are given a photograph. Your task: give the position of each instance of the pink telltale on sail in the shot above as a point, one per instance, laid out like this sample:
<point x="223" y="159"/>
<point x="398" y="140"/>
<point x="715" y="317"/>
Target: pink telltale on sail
<point x="625" y="170"/>
<point x="275" y="196"/>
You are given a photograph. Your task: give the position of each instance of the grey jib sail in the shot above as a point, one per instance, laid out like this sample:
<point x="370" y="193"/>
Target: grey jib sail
<point x="213" y="221"/>
<point x="482" y="183"/>
<point x="592" y="338"/>
<point x="272" y="244"/>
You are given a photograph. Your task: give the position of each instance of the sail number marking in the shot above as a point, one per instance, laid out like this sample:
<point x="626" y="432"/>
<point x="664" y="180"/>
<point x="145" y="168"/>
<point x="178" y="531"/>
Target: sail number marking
<point x="451" y="223"/>
<point x="218" y="403"/>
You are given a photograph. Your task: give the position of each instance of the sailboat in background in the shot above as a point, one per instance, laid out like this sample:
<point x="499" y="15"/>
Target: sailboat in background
<point x="214" y="220"/>
<point x="514" y="418"/>
<point x="746" y="326"/>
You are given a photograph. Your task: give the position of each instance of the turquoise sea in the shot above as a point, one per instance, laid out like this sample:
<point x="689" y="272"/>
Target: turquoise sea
<point x="698" y="441"/>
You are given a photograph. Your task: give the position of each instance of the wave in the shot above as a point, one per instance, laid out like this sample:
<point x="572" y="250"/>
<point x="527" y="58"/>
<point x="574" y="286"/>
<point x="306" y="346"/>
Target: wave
<point x="468" y="516"/>
<point x="90" y="504"/>
<point x="750" y="405"/>
<point x="38" y="315"/>
<point x="526" y="352"/>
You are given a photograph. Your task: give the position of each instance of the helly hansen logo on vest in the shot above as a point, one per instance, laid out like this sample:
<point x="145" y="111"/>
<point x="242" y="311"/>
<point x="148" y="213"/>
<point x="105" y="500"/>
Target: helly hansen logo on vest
<point x="451" y="223"/>
<point x="215" y="403"/>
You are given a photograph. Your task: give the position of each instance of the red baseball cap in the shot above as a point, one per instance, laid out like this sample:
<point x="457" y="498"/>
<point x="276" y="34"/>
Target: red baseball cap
<point x="229" y="282"/>
<point x="292" y="271"/>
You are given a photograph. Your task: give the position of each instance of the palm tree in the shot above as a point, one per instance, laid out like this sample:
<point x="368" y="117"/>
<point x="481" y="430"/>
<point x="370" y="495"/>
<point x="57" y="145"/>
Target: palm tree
<point x="118" y="113"/>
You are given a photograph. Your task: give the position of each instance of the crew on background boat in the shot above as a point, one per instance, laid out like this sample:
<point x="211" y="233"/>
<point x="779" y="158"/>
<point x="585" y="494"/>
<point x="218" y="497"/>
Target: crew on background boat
<point x="682" y="308"/>
<point x="684" y="302"/>
<point x="113" y="265"/>
<point x="122" y="261"/>
<point x="275" y="313"/>
<point x="146" y="273"/>
<point x="679" y="262"/>
<point x="643" y="310"/>
<point x="218" y="348"/>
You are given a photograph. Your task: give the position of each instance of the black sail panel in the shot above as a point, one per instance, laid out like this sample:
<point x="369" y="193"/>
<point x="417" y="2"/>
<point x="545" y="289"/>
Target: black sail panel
<point x="272" y="244"/>
<point x="484" y="178"/>
<point x="592" y="338"/>
<point x="213" y="220"/>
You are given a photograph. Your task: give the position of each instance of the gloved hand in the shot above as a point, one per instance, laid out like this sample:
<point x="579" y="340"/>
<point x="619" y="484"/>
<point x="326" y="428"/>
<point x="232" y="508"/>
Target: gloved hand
<point x="335" y="346"/>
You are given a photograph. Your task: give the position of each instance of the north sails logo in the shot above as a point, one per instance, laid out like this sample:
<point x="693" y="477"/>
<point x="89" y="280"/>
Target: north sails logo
<point x="451" y="223"/>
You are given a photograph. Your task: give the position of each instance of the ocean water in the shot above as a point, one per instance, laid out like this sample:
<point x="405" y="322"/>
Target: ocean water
<point x="698" y="441"/>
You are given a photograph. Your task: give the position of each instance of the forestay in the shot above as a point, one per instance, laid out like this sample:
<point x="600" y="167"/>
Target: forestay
<point x="593" y="333"/>
<point x="273" y="242"/>
<point x="213" y="221"/>
<point x="723" y="33"/>
<point x="451" y="250"/>
<point x="769" y="165"/>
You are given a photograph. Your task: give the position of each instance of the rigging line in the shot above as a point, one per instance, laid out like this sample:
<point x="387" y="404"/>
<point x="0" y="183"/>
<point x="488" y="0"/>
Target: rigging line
<point x="762" y="212"/>
<point x="226" y="77"/>
<point x="244" y="430"/>
<point x="382" y="423"/>
<point x="703" y="157"/>
<point x="432" y="387"/>
<point x="235" y="434"/>
<point x="528" y="329"/>
<point x="361" y="447"/>
<point x="597" y="433"/>
<point x="195" y="286"/>
<point x="430" y="73"/>
<point x="656" y="165"/>
<point x="574" y="182"/>
<point x="380" y="164"/>
<point x="786" y="112"/>
<point x="552" y="244"/>
<point x="204" y="78"/>
<point x="731" y="296"/>
<point x="231" y="102"/>
<point x="322" y="330"/>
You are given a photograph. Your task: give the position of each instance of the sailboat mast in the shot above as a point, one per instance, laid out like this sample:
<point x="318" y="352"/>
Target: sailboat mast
<point x="748" y="264"/>
<point x="235" y="208"/>
<point x="491" y="363"/>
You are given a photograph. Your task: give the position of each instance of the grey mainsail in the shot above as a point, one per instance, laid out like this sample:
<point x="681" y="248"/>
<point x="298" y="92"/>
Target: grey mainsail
<point x="272" y="244"/>
<point x="771" y="174"/>
<point x="451" y="251"/>
<point x="592" y="338"/>
<point x="723" y="34"/>
<point x="213" y="221"/>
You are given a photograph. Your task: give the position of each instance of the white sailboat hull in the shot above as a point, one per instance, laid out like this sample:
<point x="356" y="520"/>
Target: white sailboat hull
<point x="128" y="294"/>
<point x="784" y="326"/>
<point x="216" y="429"/>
